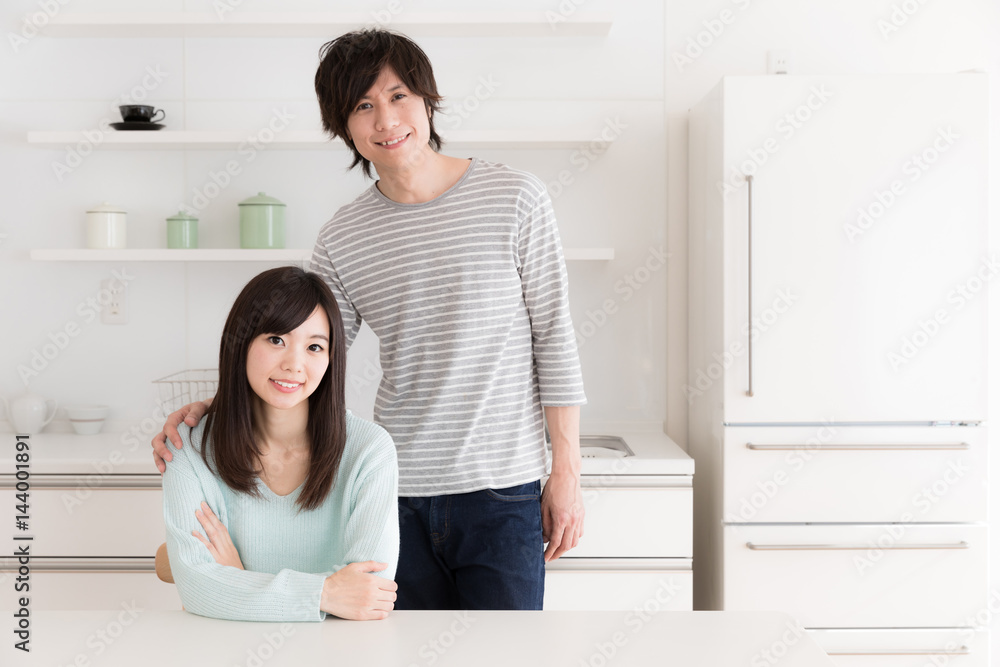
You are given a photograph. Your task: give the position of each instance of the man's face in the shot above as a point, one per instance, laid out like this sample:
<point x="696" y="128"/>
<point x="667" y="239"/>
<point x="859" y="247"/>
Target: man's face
<point x="389" y="125"/>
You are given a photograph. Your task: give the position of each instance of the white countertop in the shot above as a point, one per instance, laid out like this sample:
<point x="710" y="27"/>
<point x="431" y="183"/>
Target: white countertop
<point x="655" y="454"/>
<point x="124" y="454"/>
<point x="417" y="638"/>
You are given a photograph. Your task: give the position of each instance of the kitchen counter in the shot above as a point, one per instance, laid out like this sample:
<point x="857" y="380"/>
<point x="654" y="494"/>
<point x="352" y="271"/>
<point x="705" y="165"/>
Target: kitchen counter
<point x="129" y="637"/>
<point x="655" y="454"/>
<point x="125" y="454"/>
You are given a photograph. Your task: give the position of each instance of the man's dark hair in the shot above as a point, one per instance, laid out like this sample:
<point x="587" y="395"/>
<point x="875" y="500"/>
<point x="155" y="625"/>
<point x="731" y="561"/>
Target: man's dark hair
<point x="348" y="68"/>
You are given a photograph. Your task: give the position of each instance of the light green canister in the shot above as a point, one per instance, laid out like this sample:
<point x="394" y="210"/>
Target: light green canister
<point x="182" y="231"/>
<point x="262" y="222"/>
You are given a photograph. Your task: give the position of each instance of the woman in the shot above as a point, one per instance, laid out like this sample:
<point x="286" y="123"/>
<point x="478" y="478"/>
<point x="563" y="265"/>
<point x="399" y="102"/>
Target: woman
<point x="296" y="496"/>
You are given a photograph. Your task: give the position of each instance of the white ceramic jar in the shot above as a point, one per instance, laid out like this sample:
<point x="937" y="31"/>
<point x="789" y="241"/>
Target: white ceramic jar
<point x="106" y="227"/>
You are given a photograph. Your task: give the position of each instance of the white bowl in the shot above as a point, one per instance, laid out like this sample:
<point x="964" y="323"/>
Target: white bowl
<point x="87" y="419"/>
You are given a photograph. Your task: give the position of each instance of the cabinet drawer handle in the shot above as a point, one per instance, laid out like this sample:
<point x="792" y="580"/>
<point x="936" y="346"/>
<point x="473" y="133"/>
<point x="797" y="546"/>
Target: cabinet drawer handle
<point x="852" y="547"/>
<point x="137" y="564"/>
<point x="89" y="480"/>
<point x="666" y="565"/>
<point x="961" y="650"/>
<point x="611" y="480"/>
<point x="848" y="447"/>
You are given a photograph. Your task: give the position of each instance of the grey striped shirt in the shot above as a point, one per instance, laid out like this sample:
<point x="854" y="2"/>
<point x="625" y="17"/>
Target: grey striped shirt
<point x="468" y="296"/>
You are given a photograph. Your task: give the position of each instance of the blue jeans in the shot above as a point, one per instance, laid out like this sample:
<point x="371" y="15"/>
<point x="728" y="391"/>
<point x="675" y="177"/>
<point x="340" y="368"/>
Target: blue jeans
<point x="479" y="550"/>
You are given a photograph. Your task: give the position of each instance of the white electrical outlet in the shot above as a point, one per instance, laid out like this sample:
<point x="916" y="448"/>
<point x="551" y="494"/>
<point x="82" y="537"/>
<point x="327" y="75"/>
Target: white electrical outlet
<point x="779" y="61"/>
<point x="114" y="308"/>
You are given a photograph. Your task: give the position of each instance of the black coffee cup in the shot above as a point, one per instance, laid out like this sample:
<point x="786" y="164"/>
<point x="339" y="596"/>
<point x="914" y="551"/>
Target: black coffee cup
<point x="141" y="113"/>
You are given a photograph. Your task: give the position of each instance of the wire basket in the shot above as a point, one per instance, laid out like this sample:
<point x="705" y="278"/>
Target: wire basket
<point x="195" y="384"/>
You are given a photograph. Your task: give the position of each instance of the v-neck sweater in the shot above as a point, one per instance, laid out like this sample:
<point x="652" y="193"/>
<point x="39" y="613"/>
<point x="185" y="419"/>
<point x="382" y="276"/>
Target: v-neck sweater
<point x="287" y="554"/>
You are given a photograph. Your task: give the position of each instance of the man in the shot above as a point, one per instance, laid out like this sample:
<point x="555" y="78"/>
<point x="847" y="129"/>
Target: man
<point x="457" y="267"/>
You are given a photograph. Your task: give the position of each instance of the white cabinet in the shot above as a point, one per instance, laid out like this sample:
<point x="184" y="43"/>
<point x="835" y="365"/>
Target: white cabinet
<point x="926" y="647"/>
<point x="610" y="584"/>
<point x="837" y="358"/>
<point x="615" y="520"/>
<point x="78" y="588"/>
<point x="95" y="540"/>
<point x="636" y="550"/>
<point x="95" y="522"/>
<point x="851" y="474"/>
<point x="858" y="575"/>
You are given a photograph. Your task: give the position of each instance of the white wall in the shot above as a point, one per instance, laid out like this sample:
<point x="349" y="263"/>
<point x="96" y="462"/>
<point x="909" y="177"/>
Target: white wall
<point x="825" y="37"/>
<point x="177" y="310"/>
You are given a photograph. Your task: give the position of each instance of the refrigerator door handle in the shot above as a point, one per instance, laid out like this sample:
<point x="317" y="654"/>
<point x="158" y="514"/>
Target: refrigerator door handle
<point x="851" y="547"/>
<point x="749" y="286"/>
<point x="853" y="447"/>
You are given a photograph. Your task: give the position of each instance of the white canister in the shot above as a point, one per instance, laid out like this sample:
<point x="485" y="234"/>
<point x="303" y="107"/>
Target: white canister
<point x="106" y="227"/>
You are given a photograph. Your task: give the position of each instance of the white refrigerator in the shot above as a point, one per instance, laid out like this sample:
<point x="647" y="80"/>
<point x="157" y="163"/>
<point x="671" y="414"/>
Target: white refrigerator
<point x="838" y="272"/>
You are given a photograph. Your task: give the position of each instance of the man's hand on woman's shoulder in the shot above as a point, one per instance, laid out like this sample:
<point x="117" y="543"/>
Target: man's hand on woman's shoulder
<point x="191" y="415"/>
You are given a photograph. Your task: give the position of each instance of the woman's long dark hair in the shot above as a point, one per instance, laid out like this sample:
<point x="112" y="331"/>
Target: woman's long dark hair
<point x="276" y="302"/>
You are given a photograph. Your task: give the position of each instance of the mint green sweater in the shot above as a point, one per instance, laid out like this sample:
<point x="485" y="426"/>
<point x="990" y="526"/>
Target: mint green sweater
<point x="287" y="554"/>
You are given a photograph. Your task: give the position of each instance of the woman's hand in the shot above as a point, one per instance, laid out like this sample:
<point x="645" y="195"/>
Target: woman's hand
<point x="353" y="592"/>
<point x="190" y="414"/>
<point x="219" y="544"/>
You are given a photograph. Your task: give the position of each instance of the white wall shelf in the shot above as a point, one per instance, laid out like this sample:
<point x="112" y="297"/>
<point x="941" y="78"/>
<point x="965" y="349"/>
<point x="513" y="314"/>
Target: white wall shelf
<point x="294" y="139"/>
<point x="324" y="24"/>
<point x="232" y="255"/>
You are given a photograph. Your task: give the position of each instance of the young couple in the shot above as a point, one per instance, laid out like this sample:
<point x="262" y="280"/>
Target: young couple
<point x="457" y="267"/>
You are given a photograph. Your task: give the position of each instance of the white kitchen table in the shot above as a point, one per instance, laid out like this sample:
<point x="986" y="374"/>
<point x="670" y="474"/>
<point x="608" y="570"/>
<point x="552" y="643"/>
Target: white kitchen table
<point x="127" y="638"/>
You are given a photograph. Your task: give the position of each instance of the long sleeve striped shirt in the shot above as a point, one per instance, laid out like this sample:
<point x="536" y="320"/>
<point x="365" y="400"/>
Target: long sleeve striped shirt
<point x="468" y="295"/>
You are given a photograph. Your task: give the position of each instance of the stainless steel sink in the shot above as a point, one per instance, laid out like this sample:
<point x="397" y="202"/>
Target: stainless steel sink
<point x="604" y="447"/>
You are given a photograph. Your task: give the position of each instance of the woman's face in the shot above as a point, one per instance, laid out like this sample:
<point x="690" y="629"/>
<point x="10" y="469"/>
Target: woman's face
<point x="285" y="369"/>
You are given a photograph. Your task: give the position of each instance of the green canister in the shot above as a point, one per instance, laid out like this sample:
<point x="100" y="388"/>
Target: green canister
<point x="182" y="231"/>
<point x="262" y="222"/>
